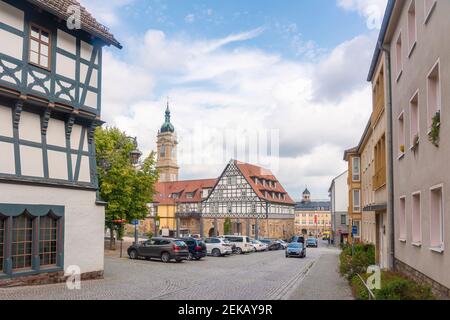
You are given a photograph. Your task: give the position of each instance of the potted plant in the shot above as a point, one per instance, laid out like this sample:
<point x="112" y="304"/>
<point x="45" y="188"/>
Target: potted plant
<point x="402" y="148"/>
<point x="433" y="135"/>
<point x="415" y="144"/>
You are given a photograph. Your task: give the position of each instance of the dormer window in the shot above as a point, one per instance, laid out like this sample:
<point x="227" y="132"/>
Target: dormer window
<point x="39" y="54"/>
<point x="190" y="195"/>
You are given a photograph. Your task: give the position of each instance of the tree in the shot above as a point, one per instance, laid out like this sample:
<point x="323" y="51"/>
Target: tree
<point x="227" y="226"/>
<point x="126" y="190"/>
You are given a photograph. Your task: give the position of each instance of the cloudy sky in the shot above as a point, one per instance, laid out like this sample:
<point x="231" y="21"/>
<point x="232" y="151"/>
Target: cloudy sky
<point x="294" y="71"/>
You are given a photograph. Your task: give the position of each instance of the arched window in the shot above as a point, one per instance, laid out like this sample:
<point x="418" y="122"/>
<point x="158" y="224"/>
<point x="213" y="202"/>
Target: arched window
<point x="2" y="241"/>
<point x="22" y="241"/>
<point x="48" y="240"/>
<point x="163" y="151"/>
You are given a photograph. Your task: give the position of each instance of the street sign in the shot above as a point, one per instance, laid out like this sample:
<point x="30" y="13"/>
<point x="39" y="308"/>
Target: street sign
<point x="134" y="222"/>
<point x="354" y="230"/>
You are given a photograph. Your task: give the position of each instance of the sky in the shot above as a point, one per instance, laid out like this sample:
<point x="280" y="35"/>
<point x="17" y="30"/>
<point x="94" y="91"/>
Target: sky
<point x="288" y="76"/>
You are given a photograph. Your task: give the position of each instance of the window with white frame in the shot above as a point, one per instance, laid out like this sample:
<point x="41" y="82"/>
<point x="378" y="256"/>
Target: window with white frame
<point x="399" y="56"/>
<point x="356" y="168"/>
<point x="429" y="7"/>
<point x="416" y="219"/>
<point x="436" y="218"/>
<point x="356" y="200"/>
<point x="402" y="218"/>
<point x="414" y="119"/>
<point x="433" y="93"/>
<point x="412" y="27"/>
<point x="401" y="134"/>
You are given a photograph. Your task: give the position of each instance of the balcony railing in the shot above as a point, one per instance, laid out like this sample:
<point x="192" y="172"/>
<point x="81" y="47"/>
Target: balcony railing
<point x="378" y="106"/>
<point x="379" y="179"/>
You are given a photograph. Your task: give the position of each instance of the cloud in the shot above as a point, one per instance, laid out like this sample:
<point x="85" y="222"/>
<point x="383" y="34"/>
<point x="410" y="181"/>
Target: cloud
<point x="190" y="18"/>
<point x="371" y="10"/>
<point x="215" y="86"/>
<point x="107" y="12"/>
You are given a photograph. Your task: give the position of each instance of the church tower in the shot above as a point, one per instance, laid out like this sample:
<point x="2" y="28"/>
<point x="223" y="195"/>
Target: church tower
<point x="166" y="164"/>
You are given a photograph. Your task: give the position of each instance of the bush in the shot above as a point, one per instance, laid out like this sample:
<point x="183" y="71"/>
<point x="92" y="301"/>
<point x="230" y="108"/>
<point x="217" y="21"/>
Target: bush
<point x="357" y="263"/>
<point x="358" y="289"/>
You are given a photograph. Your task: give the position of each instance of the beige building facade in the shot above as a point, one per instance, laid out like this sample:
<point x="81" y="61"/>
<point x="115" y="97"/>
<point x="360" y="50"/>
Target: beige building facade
<point x="312" y="217"/>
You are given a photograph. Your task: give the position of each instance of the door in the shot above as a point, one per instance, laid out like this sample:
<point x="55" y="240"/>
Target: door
<point x="146" y="248"/>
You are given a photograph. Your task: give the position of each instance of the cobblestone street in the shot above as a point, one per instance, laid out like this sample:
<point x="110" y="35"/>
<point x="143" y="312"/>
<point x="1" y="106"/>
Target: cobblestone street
<point x="266" y="276"/>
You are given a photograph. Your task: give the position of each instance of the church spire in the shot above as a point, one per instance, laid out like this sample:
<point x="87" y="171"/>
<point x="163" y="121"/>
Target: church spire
<point x="167" y="126"/>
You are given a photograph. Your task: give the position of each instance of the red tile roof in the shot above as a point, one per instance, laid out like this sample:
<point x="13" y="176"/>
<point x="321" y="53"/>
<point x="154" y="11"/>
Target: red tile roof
<point x="164" y="190"/>
<point x="88" y="22"/>
<point x="251" y="171"/>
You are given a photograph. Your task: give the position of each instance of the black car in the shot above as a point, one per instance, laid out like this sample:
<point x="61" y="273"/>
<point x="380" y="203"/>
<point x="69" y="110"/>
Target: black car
<point x="165" y="249"/>
<point x="272" y="244"/>
<point x="197" y="248"/>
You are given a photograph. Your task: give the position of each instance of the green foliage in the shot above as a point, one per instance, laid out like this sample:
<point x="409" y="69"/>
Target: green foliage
<point x="149" y="234"/>
<point x="396" y="287"/>
<point x="126" y="190"/>
<point x="359" y="290"/>
<point x="357" y="262"/>
<point x="433" y="136"/>
<point x="227" y="226"/>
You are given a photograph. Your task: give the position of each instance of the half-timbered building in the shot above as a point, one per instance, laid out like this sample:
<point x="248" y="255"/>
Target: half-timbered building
<point x="50" y="104"/>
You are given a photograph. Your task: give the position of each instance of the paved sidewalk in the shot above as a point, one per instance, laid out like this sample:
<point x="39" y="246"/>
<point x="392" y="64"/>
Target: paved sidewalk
<point x="323" y="281"/>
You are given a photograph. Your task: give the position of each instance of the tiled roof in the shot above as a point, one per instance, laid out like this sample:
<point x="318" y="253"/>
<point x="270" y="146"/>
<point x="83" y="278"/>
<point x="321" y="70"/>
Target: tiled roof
<point x="313" y="206"/>
<point x="88" y="22"/>
<point x="250" y="171"/>
<point x="164" y="190"/>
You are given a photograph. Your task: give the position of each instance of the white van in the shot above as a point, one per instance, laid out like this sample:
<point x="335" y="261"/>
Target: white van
<point x="242" y="243"/>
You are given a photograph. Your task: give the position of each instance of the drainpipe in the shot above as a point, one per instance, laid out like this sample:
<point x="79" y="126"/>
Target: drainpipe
<point x="390" y="159"/>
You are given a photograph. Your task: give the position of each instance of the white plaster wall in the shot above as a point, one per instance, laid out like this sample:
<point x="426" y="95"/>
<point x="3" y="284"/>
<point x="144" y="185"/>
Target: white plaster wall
<point x="31" y="161"/>
<point x="30" y="127"/>
<point x="57" y="165"/>
<point x="65" y="66"/>
<point x="56" y="133"/>
<point x="6" y="122"/>
<point x="75" y="137"/>
<point x="341" y="193"/>
<point x="15" y="44"/>
<point x="11" y="16"/>
<point x="84" y="221"/>
<point x="66" y="42"/>
<point x="85" y="174"/>
<point x="91" y="99"/>
<point x="86" y="51"/>
<point x="7" y="164"/>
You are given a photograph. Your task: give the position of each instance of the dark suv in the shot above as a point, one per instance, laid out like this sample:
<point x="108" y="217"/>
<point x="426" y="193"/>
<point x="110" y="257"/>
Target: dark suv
<point x="165" y="249"/>
<point x="196" y="247"/>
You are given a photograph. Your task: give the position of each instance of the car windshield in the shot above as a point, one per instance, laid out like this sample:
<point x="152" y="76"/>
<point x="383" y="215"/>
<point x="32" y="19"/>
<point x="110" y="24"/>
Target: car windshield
<point x="295" y="245"/>
<point x="311" y="240"/>
<point x="180" y="243"/>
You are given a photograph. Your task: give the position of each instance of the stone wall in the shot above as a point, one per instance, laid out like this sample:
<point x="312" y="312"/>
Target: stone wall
<point x="438" y="289"/>
<point x="46" y="278"/>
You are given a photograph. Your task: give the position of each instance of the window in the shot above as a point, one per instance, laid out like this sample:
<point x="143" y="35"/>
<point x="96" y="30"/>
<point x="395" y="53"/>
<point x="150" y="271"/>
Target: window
<point x="39" y="47"/>
<point x="22" y="242"/>
<point x="357" y="223"/>
<point x="232" y="180"/>
<point x="48" y="240"/>
<point x="402" y="218"/>
<point x="401" y="135"/>
<point x="253" y="229"/>
<point x="357" y="200"/>
<point x="2" y="241"/>
<point x="398" y="56"/>
<point x="429" y="7"/>
<point x="433" y="93"/>
<point x="416" y="219"/>
<point x="190" y="195"/>
<point x="412" y="28"/>
<point x="356" y="161"/>
<point x="414" y="119"/>
<point x="163" y="152"/>
<point x="437" y="218"/>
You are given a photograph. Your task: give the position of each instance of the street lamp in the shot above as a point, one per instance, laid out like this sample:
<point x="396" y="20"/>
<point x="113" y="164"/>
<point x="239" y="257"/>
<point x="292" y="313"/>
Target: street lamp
<point x="135" y="154"/>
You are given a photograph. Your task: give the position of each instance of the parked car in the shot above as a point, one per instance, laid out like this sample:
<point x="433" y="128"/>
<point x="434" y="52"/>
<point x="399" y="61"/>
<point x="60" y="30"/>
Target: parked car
<point x="312" y="242"/>
<point x="283" y="244"/>
<point x="259" y="246"/>
<point x="296" y="249"/>
<point x="218" y="247"/>
<point x="165" y="249"/>
<point x="242" y="243"/>
<point x="272" y="244"/>
<point x="197" y="248"/>
<point x="300" y="239"/>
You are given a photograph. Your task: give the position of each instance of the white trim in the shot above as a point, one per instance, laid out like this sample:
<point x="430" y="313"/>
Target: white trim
<point x="411" y="48"/>
<point x="428" y="14"/>
<point x="402" y="117"/>
<point x="441" y="217"/>
<point x="439" y="98"/>
<point x="414" y="194"/>
<point x="399" y="71"/>
<point x="416" y="94"/>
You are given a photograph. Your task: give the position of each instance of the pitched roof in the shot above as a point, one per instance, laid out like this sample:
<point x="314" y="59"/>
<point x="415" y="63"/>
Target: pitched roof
<point x="164" y="191"/>
<point x="250" y="172"/>
<point x="313" y="206"/>
<point x="88" y="22"/>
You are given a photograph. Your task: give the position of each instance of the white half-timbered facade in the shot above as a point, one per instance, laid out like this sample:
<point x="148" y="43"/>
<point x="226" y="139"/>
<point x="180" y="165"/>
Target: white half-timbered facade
<point x="50" y="105"/>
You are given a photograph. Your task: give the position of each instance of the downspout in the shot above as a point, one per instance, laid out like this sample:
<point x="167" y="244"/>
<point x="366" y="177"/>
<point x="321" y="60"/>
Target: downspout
<point x="390" y="159"/>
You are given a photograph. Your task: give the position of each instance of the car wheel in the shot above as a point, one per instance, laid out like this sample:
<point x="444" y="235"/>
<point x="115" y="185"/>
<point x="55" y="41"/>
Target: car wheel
<point x="216" y="252"/>
<point x="133" y="254"/>
<point x="178" y="260"/>
<point x="238" y="251"/>
<point x="198" y="258"/>
<point x="165" y="257"/>
<point x="254" y="249"/>
<point x="190" y="256"/>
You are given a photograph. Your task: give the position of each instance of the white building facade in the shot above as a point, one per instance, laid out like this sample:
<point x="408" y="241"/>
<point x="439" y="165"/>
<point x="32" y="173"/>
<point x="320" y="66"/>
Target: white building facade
<point x="339" y="208"/>
<point x="50" y="105"/>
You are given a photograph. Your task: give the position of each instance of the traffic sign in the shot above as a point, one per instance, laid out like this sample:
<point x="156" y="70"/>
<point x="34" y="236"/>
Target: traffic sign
<point x="355" y="230"/>
<point x="134" y="222"/>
